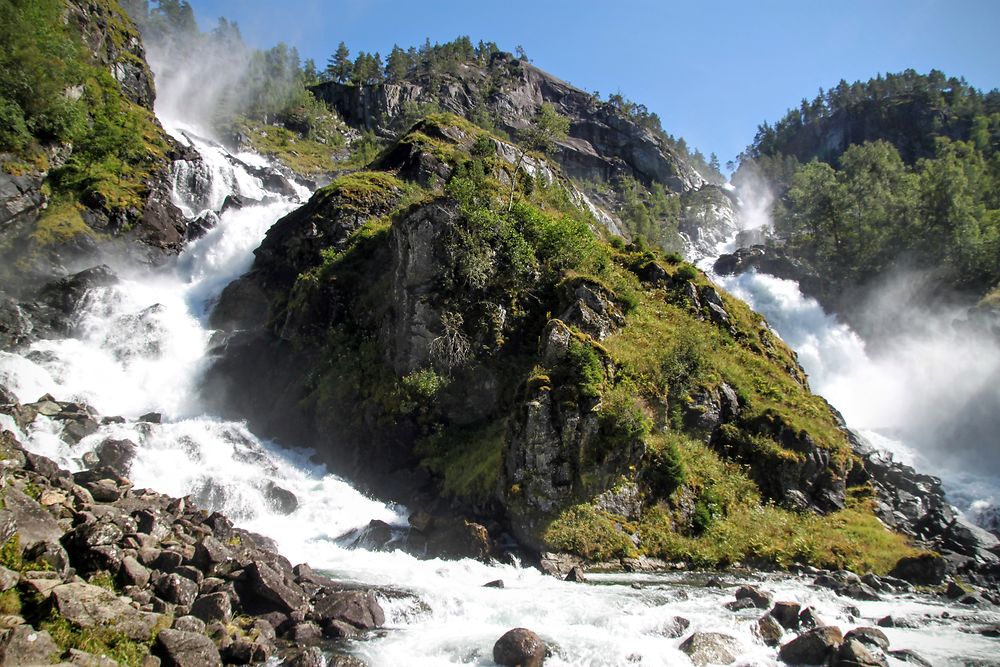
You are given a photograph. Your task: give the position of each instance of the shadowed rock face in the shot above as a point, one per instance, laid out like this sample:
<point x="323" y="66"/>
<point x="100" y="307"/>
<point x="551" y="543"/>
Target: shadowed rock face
<point x="602" y="144"/>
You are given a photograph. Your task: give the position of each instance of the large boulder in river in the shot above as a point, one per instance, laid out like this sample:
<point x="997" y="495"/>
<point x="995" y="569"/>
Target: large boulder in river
<point x="814" y="647"/>
<point x="711" y="648"/>
<point x="519" y="647"/>
<point x="923" y="570"/>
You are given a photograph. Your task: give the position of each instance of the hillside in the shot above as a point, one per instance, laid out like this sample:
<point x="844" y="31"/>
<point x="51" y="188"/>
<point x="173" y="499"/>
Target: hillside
<point x="539" y="374"/>
<point x="84" y="161"/>
<point x="897" y="175"/>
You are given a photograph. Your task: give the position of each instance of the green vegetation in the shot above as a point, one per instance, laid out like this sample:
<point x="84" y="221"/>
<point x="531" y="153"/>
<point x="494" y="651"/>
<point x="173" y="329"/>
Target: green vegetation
<point x="503" y="271"/>
<point x="52" y="93"/>
<point x="914" y="186"/>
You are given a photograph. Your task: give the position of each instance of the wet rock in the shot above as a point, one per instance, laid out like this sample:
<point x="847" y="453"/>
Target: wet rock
<point x="740" y="605"/>
<point x="496" y="583"/>
<point x="23" y="645"/>
<point x="177" y="648"/>
<point x="769" y="630"/>
<point x="304" y="632"/>
<point x="519" y="647"/>
<point x="870" y="637"/>
<point x="910" y="657"/>
<point x="282" y="500"/>
<point x="357" y="608"/>
<point x="711" y="648"/>
<point x="852" y="653"/>
<point x="151" y="417"/>
<point x="859" y="591"/>
<point x="674" y="628"/>
<point x="813" y="647"/>
<point x="954" y="591"/>
<point x="809" y="619"/>
<point x="760" y="599"/>
<point x="116" y="454"/>
<point x="787" y="614"/>
<point x="268" y="584"/>
<point x="576" y="574"/>
<point x="922" y="570"/>
<point x="558" y="564"/>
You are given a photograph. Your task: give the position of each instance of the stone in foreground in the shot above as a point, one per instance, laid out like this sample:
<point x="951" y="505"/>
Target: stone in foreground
<point x="519" y="647"/>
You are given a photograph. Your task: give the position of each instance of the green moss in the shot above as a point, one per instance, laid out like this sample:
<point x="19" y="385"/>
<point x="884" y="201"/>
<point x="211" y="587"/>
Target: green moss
<point x="61" y="222"/>
<point x="10" y="554"/>
<point x="364" y="192"/>
<point x="468" y="460"/>
<point x="10" y="603"/>
<point x="302" y="155"/>
<point x="98" y="641"/>
<point x="589" y="532"/>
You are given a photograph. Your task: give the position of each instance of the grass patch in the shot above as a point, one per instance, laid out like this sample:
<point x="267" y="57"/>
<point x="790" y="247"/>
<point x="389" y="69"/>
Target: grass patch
<point x="62" y="221"/>
<point x="589" y="532"/>
<point x="303" y="156"/>
<point x="98" y="641"/>
<point x="467" y="459"/>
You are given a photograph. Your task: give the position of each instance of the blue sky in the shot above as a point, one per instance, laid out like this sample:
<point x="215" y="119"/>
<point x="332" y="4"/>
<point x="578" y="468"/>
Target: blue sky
<point x="713" y="71"/>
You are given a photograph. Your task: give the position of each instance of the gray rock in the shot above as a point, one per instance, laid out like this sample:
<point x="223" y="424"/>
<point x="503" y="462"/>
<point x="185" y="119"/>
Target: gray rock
<point x="8" y="579"/>
<point x="176" y="589"/>
<point x="213" y="607"/>
<point x="311" y="656"/>
<point x="813" y="647"/>
<point x="711" y="648"/>
<point x="674" y="628"/>
<point x="132" y="573"/>
<point x="911" y="657"/>
<point x="576" y="574"/>
<point x="177" y="648"/>
<point x="84" y="659"/>
<point x="923" y="570"/>
<point x="23" y="645"/>
<point x="357" y="608"/>
<point x="34" y="523"/>
<point x="519" y="647"/>
<point x="91" y="606"/>
<point x="268" y="584"/>
<point x="305" y="632"/>
<point x="189" y="624"/>
<point x="859" y="591"/>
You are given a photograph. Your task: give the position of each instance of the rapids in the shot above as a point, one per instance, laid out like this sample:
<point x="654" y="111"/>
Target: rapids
<point x="141" y="346"/>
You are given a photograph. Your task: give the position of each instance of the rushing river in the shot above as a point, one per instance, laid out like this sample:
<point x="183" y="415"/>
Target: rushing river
<point x="141" y="346"/>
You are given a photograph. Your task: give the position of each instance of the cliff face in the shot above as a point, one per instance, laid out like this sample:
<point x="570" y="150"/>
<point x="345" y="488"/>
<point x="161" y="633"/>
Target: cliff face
<point x="505" y="360"/>
<point x="602" y="143"/>
<point x="61" y="206"/>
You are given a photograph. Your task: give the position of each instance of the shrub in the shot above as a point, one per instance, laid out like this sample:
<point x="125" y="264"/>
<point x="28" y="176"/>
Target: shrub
<point x="584" y="368"/>
<point x="686" y="272"/>
<point x="586" y="531"/>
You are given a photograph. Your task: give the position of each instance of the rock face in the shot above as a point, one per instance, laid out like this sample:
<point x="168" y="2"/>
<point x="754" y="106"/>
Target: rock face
<point x="602" y="145"/>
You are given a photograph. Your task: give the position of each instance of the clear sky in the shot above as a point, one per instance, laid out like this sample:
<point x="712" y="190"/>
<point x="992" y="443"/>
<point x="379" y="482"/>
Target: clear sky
<point x="713" y="71"/>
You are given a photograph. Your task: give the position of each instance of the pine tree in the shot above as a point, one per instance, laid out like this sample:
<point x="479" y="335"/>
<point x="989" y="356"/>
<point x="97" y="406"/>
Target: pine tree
<point x="339" y="67"/>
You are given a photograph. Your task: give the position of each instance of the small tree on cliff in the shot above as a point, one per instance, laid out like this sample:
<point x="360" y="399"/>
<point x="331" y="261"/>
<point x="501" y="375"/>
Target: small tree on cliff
<point x="339" y="68"/>
<point x="546" y="128"/>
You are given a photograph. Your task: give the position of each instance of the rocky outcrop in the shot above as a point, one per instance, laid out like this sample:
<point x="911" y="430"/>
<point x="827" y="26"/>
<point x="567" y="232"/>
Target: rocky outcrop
<point x="603" y="145"/>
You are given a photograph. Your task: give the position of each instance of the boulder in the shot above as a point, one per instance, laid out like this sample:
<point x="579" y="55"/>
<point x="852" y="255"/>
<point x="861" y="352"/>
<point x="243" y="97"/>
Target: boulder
<point x="813" y="647"/>
<point x="268" y="584"/>
<point x="576" y="574"/>
<point x="769" y="630"/>
<point x="910" y="657"/>
<point x="133" y="573"/>
<point x="116" y="454"/>
<point x="852" y="653"/>
<point x="870" y="637"/>
<point x="519" y="647"/>
<point x="859" y="591"/>
<point x="674" y="628"/>
<point x="190" y="624"/>
<point x="177" y="648"/>
<point x="787" y="614"/>
<point x="23" y="645"/>
<point x="311" y="656"/>
<point x="176" y="589"/>
<point x="213" y="607"/>
<point x="35" y="524"/>
<point x="359" y="609"/>
<point x="922" y="570"/>
<point x="711" y="648"/>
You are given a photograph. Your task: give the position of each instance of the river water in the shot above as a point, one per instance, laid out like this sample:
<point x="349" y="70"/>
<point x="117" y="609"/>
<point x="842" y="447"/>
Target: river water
<point x="141" y="346"/>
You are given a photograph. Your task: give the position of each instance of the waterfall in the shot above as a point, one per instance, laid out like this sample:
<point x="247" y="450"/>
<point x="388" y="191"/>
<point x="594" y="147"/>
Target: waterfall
<point x="141" y="346"/>
<point x="928" y="392"/>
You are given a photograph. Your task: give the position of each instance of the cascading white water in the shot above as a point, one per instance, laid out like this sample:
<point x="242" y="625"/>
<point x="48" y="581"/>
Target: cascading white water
<point x="907" y="395"/>
<point x="141" y="345"/>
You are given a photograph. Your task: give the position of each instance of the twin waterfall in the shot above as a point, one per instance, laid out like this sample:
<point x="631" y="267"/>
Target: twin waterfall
<point x="141" y="346"/>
